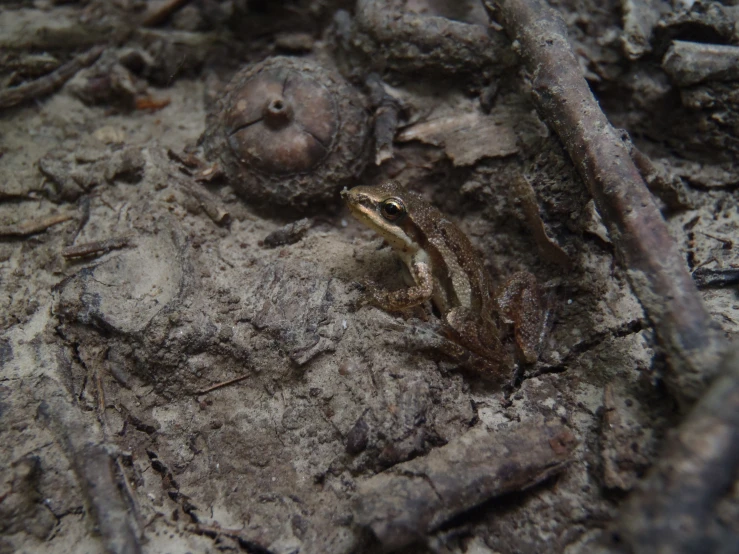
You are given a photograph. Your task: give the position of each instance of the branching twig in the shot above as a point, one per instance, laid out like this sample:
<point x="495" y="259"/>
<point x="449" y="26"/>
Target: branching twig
<point x="655" y="267"/>
<point x="49" y="83"/>
<point x="668" y="188"/>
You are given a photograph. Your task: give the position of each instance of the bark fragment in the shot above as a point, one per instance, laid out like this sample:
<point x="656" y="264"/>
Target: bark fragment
<point x="549" y="249"/>
<point x="465" y="138"/>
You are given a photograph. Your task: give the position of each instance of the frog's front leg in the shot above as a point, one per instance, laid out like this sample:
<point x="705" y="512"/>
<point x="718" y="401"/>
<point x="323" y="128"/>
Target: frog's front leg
<point x="520" y="303"/>
<point x="412" y="296"/>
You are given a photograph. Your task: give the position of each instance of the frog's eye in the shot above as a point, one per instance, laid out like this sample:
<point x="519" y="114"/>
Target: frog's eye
<point x="392" y="209"/>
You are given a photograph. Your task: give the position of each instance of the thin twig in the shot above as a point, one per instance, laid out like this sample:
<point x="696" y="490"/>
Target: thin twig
<point x="655" y="268"/>
<point x="84" y="208"/>
<point x="51" y="82"/>
<point x="33" y="227"/>
<point x="95" y="248"/>
<point x="667" y="187"/>
<point x="130" y="497"/>
<point x="221" y="385"/>
<point x="100" y="390"/>
<point x="716" y="276"/>
<point x="727" y="243"/>
<point x="386" y="118"/>
<point x="214" y="531"/>
<point x="126" y="490"/>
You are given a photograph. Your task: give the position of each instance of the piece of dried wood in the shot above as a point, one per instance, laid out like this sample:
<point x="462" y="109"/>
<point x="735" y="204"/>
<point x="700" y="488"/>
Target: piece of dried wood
<point x="690" y="63"/>
<point x="93" y="463"/>
<point x="408" y="501"/>
<point x="387" y="109"/>
<point x="209" y="203"/>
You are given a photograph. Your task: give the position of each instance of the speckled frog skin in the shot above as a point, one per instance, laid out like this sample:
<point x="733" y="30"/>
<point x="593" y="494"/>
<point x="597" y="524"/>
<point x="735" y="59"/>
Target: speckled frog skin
<point x="443" y="267"/>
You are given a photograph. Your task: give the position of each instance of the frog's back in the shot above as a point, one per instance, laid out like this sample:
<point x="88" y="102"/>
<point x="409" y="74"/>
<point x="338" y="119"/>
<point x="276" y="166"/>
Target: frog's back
<point x="456" y="262"/>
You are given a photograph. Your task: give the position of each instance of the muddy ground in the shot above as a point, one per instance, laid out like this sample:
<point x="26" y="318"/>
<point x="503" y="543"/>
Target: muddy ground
<point x="112" y="356"/>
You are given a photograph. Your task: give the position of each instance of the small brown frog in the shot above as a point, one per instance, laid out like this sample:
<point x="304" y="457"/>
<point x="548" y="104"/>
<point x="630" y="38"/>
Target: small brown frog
<point x="443" y="267"/>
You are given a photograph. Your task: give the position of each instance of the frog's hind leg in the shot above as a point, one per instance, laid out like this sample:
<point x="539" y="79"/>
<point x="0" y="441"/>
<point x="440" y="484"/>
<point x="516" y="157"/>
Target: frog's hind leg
<point x="521" y="302"/>
<point x="447" y="347"/>
<point x="479" y="338"/>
